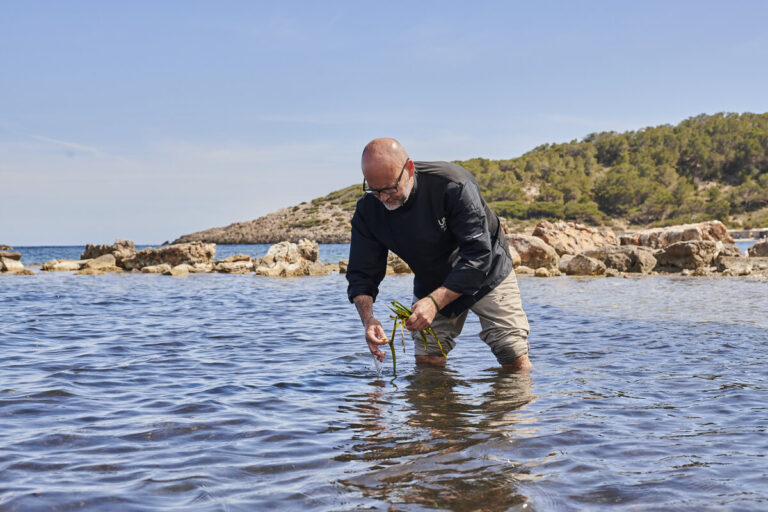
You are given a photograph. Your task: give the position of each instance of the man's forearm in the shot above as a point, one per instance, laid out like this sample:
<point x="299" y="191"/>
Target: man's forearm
<point x="364" y="305"/>
<point x="444" y="296"/>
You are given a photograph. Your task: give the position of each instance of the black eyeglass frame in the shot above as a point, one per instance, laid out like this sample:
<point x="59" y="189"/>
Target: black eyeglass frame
<point x="386" y="190"/>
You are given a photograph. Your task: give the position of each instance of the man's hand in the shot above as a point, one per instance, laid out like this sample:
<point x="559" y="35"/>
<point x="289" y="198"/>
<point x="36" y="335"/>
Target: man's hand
<point x="424" y="312"/>
<point x="374" y="336"/>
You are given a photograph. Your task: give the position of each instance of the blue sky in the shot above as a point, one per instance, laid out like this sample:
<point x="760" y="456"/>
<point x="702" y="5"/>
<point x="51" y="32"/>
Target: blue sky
<point x="148" y="120"/>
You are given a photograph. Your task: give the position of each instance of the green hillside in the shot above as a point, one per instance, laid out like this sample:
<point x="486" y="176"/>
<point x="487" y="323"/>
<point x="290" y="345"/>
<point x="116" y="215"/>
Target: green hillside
<point x="707" y="167"/>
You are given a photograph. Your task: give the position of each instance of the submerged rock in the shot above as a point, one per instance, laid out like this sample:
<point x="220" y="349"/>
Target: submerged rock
<point x="573" y="238"/>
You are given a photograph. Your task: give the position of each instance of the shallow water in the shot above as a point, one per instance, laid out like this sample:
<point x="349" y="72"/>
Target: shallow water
<point x="236" y="392"/>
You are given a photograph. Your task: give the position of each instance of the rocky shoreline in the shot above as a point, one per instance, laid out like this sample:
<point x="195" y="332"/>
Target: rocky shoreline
<point x="553" y="249"/>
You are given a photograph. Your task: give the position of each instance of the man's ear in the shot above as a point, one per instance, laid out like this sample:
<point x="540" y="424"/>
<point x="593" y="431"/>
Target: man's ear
<point x="411" y="168"/>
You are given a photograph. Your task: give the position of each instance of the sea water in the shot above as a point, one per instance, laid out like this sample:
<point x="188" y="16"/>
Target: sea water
<point x="237" y="392"/>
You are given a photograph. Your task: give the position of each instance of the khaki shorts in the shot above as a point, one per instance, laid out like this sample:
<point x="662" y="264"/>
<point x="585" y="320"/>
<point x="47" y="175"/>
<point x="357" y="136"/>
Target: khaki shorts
<point x="504" y="325"/>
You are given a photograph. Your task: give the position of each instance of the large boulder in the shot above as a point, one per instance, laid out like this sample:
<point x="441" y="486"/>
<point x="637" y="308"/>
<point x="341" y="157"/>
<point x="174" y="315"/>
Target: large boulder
<point x="581" y="265"/>
<point x="10" y="255"/>
<point x="10" y="265"/>
<point x="173" y="255"/>
<point x="759" y="250"/>
<point x="625" y="258"/>
<point x="691" y="255"/>
<point x="659" y="238"/>
<point x="572" y="238"/>
<point x="533" y="251"/>
<point x="287" y="259"/>
<point x="121" y="250"/>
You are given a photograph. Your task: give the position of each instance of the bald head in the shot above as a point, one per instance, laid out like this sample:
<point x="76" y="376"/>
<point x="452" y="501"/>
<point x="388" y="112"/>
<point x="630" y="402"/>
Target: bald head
<point x="383" y="150"/>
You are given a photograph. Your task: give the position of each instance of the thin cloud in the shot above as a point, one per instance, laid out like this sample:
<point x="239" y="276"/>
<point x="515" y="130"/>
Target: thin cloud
<point x="69" y="145"/>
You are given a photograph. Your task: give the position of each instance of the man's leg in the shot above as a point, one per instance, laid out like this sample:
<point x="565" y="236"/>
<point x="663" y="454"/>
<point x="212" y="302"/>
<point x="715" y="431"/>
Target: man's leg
<point x="505" y="326"/>
<point x="446" y="329"/>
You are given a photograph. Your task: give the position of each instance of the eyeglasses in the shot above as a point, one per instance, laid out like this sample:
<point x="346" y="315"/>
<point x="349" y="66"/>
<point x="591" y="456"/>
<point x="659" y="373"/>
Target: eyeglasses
<point x="386" y="190"/>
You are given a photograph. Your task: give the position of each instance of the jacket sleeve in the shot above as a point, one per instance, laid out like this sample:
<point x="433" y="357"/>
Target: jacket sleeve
<point x="468" y="224"/>
<point x="367" y="260"/>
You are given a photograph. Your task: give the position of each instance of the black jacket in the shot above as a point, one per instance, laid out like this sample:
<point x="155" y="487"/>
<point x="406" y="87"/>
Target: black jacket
<point x="445" y="232"/>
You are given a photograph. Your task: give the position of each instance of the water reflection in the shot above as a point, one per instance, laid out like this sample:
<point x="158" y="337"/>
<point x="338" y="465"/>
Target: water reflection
<point x="442" y="441"/>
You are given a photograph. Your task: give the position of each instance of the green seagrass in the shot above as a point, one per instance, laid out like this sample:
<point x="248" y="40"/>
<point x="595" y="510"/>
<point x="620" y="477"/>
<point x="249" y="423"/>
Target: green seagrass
<point x="401" y="315"/>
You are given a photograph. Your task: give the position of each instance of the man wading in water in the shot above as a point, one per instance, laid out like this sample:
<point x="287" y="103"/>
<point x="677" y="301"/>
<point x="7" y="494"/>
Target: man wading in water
<point x="432" y="216"/>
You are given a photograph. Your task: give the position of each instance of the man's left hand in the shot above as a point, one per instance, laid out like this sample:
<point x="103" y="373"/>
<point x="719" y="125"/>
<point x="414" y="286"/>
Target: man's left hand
<point x="424" y="312"/>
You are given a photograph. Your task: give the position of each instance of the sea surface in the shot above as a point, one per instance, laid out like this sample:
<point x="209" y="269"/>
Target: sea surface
<point x="217" y="392"/>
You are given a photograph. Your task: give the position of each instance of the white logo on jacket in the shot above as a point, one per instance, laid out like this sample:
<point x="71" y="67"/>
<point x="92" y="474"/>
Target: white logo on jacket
<point x="441" y="222"/>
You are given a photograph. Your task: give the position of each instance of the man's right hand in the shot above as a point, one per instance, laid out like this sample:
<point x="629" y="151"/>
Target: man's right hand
<point x="375" y="337"/>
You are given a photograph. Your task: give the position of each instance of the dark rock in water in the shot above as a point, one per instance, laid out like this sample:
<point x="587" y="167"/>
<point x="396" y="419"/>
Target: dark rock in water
<point x="625" y="258"/>
<point x="343" y="264"/>
<point x="10" y="255"/>
<point x="581" y="265"/>
<point x="759" y="250"/>
<point x="192" y="254"/>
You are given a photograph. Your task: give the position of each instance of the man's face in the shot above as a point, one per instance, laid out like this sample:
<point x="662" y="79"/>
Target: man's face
<point x="391" y="185"/>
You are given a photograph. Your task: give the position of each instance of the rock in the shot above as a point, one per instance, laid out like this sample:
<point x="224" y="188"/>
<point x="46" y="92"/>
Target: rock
<point x="564" y="259"/>
<point x="523" y="270"/>
<point x="121" y="250"/>
<point x="95" y="271"/>
<point x="284" y="259"/>
<point x="343" y="264"/>
<point x="308" y="249"/>
<point x="64" y="265"/>
<point x="612" y="272"/>
<point x="582" y="265"/>
<point x="25" y="272"/>
<point x="516" y="261"/>
<point x="156" y="269"/>
<point x="546" y="272"/>
<point x="689" y="255"/>
<point x="103" y="261"/>
<point x="10" y="265"/>
<point x="572" y="238"/>
<point x="533" y="251"/>
<point x="235" y="258"/>
<point x="396" y="265"/>
<point x="734" y="265"/>
<point x="759" y="250"/>
<point x="729" y="250"/>
<point x="659" y="238"/>
<point x="172" y="255"/>
<point x="5" y="247"/>
<point x="234" y="267"/>
<point x="625" y="258"/>
<point x="10" y="255"/>
<point x="198" y="268"/>
<point x="178" y="271"/>
<point x="702" y="272"/>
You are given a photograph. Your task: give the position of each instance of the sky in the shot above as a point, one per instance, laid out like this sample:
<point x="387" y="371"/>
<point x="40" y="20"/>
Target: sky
<point x="147" y="120"/>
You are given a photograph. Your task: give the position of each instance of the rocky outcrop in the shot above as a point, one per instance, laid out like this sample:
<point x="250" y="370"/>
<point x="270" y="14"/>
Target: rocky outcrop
<point x="5" y="247"/>
<point x="100" y="265"/>
<point x="121" y="250"/>
<point x="572" y="238"/>
<point x="10" y="255"/>
<point x="625" y="258"/>
<point x="288" y="259"/>
<point x="396" y="265"/>
<point x="324" y="223"/>
<point x="759" y="250"/>
<point x="533" y="251"/>
<point x="237" y="264"/>
<point x="64" y="265"/>
<point x="734" y="265"/>
<point x="177" y="254"/>
<point x="659" y="238"/>
<point x="581" y="265"/>
<point x="689" y="255"/>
